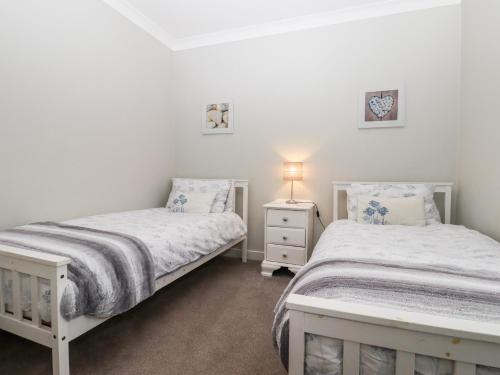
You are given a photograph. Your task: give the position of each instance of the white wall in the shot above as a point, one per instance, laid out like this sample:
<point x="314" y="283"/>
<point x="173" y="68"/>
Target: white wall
<point x="91" y="108"/>
<point x="296" y="98"/>
<point x="84" y="112"/>
<point x="479" y="170"/>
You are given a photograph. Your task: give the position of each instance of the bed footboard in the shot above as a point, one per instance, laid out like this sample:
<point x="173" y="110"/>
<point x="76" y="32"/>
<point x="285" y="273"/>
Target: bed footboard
<point x="466" y="343"/>
<point x="17" y="265"/>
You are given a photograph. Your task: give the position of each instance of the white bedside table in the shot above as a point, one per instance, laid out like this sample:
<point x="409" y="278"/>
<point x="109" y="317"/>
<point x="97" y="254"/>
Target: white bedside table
<point x="288" y="235"/>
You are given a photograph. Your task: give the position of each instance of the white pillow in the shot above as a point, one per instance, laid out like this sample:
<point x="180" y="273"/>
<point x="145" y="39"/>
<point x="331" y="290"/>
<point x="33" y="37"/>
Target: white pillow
<point x="230" y="197"/>
<point x="391" y="211"/>
<point x="220" y="187"/>
<point x="190" y="202"/>
<point x="394" y="191"/>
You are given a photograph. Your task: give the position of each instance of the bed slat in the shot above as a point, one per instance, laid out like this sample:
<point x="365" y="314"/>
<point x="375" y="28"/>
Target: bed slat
<point x="462" y="368"/>
<point x="405" y="363"/>
<point x="16" y="295"/>
<point x="35" y="315"/>
<point x="351" y="358"/>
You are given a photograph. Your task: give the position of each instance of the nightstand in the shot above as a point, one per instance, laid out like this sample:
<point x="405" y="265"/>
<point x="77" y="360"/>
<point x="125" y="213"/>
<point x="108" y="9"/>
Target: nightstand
<point x="288" y="235"/>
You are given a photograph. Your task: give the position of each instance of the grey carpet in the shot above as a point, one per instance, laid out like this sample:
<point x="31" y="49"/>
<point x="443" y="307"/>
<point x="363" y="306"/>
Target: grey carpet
<point x="216" y="320"/>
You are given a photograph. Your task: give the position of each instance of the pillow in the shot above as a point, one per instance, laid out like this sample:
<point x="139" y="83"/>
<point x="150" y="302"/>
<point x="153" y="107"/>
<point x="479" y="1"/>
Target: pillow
<point x="191" y="202"/>
<point x="230" y="197"/>
<point x="220" y="187"/>
<point x="391" y="211"/>
<point x="394" y="191"/>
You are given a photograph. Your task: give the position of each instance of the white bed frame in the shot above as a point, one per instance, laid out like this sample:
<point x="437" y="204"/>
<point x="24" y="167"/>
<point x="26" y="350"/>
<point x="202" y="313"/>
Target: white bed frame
<point x="54" y="268"/>
<point x="466" y="343"/>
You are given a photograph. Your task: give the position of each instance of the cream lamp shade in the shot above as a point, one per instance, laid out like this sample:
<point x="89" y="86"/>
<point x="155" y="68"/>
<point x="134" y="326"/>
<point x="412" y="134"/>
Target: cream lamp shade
<point x="292" y="171"/>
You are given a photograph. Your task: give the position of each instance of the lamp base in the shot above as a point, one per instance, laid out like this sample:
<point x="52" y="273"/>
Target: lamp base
<point x="292" y="201"/>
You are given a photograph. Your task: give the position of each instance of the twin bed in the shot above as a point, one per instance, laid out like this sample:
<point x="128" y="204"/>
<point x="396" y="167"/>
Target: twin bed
<point x="393" y="299"/>
<point x="59" y="280"/>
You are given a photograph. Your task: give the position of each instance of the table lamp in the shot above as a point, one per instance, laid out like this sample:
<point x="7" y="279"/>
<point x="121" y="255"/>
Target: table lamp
<point x="292" y="171"/>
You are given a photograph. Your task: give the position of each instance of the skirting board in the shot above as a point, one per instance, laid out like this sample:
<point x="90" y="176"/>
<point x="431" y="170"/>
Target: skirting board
<point x="252" y="254"/>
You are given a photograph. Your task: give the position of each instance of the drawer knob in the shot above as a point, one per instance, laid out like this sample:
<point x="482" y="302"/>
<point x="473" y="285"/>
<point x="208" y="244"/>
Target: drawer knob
<point x="285" y="238"/>
<point x="285" y="219"/>
<point x="284" y="256"/>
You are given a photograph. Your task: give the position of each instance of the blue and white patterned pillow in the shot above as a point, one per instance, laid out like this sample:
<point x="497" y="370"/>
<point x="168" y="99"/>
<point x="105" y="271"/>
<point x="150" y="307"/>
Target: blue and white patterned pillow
<point x="394" y="191"/>
<point x="391" y="211"/>
<point x="191" y="202"/>
<point x="374" y="213"/>
<point x="178" y="202"/>
<point x="220" y="187"/>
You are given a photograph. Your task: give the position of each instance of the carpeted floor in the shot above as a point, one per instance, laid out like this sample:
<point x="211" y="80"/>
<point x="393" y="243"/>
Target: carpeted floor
<point x="216" y="320"/>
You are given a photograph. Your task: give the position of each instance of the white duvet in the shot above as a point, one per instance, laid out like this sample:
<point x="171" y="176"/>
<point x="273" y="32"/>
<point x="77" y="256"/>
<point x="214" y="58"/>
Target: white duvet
<point x="434" y="255"/>
<point x="174" y="240"/>
<point x="423" y="269"/>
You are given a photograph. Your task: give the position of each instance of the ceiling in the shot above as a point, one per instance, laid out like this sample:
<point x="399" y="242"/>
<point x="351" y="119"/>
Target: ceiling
<point x="183" y="24"/>
<point x="185" y="18"/>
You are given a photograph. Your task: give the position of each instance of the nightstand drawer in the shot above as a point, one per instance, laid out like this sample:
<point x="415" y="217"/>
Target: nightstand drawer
<point x="286" y="218"/>
<point x="286" y="254"/>
<point x="286" y="236"/>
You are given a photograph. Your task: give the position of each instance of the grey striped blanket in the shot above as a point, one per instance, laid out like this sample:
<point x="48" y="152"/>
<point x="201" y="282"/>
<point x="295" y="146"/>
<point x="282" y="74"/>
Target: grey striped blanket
<point x="109" y="272"/>
<point x="440" y="269"/>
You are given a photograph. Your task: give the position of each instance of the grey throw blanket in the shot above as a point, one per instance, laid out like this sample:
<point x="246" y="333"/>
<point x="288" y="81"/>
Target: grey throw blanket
<point x="439" y="269"/>
<point x="109" y="272"/>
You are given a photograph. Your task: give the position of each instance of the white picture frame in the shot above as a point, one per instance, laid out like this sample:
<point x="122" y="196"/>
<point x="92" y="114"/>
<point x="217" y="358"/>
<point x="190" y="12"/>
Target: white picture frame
<point x="217" y="117"/>
<point x="382" y="107"/>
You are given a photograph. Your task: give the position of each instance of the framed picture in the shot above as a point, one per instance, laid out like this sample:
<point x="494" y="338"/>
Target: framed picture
<point x="217" y="117"/>
<point x="382" y="108"/>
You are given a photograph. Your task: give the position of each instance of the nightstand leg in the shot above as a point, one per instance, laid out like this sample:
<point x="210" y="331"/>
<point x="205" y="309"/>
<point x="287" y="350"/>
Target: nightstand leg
<point x="268" y="268"/>
<point x="294" y="269"/>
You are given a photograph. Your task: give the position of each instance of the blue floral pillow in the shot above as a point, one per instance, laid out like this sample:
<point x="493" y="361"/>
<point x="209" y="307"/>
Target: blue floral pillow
<point x="221" y="188"/>
<point x="178" y="203"/>
<point x="391" y="211"/>
<point x="191" y="202"/>
<point x="375" y="213"/>
<point x="379" y="191"/>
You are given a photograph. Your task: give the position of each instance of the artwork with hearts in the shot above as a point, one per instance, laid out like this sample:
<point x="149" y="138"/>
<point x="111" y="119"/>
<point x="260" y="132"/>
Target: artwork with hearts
<point x="383" y="108"/>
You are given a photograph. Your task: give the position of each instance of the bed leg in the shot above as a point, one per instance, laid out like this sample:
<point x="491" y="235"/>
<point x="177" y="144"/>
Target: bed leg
<point x="244" y="250"/>
<point x="244" y="216"/>
<point x="60" y="343"/>
<point x="60" y="357"/>
<point x="296" y="347"/>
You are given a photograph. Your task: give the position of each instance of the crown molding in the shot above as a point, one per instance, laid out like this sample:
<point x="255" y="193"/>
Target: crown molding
<point x="379" y="9"/>
<point x="134" y="15"/>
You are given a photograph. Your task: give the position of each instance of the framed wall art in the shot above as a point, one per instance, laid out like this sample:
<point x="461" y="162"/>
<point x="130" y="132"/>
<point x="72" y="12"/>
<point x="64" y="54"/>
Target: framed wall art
<point x="382" y="108"/>
<point x="217" y="117"/>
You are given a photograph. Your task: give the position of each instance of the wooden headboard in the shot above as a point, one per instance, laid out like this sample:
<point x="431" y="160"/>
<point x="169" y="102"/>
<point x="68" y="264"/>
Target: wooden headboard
<point x="439" y="188"/>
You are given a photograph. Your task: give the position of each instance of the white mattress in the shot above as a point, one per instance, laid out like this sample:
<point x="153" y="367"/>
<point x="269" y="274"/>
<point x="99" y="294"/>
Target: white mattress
<point x="174" y="240"/>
